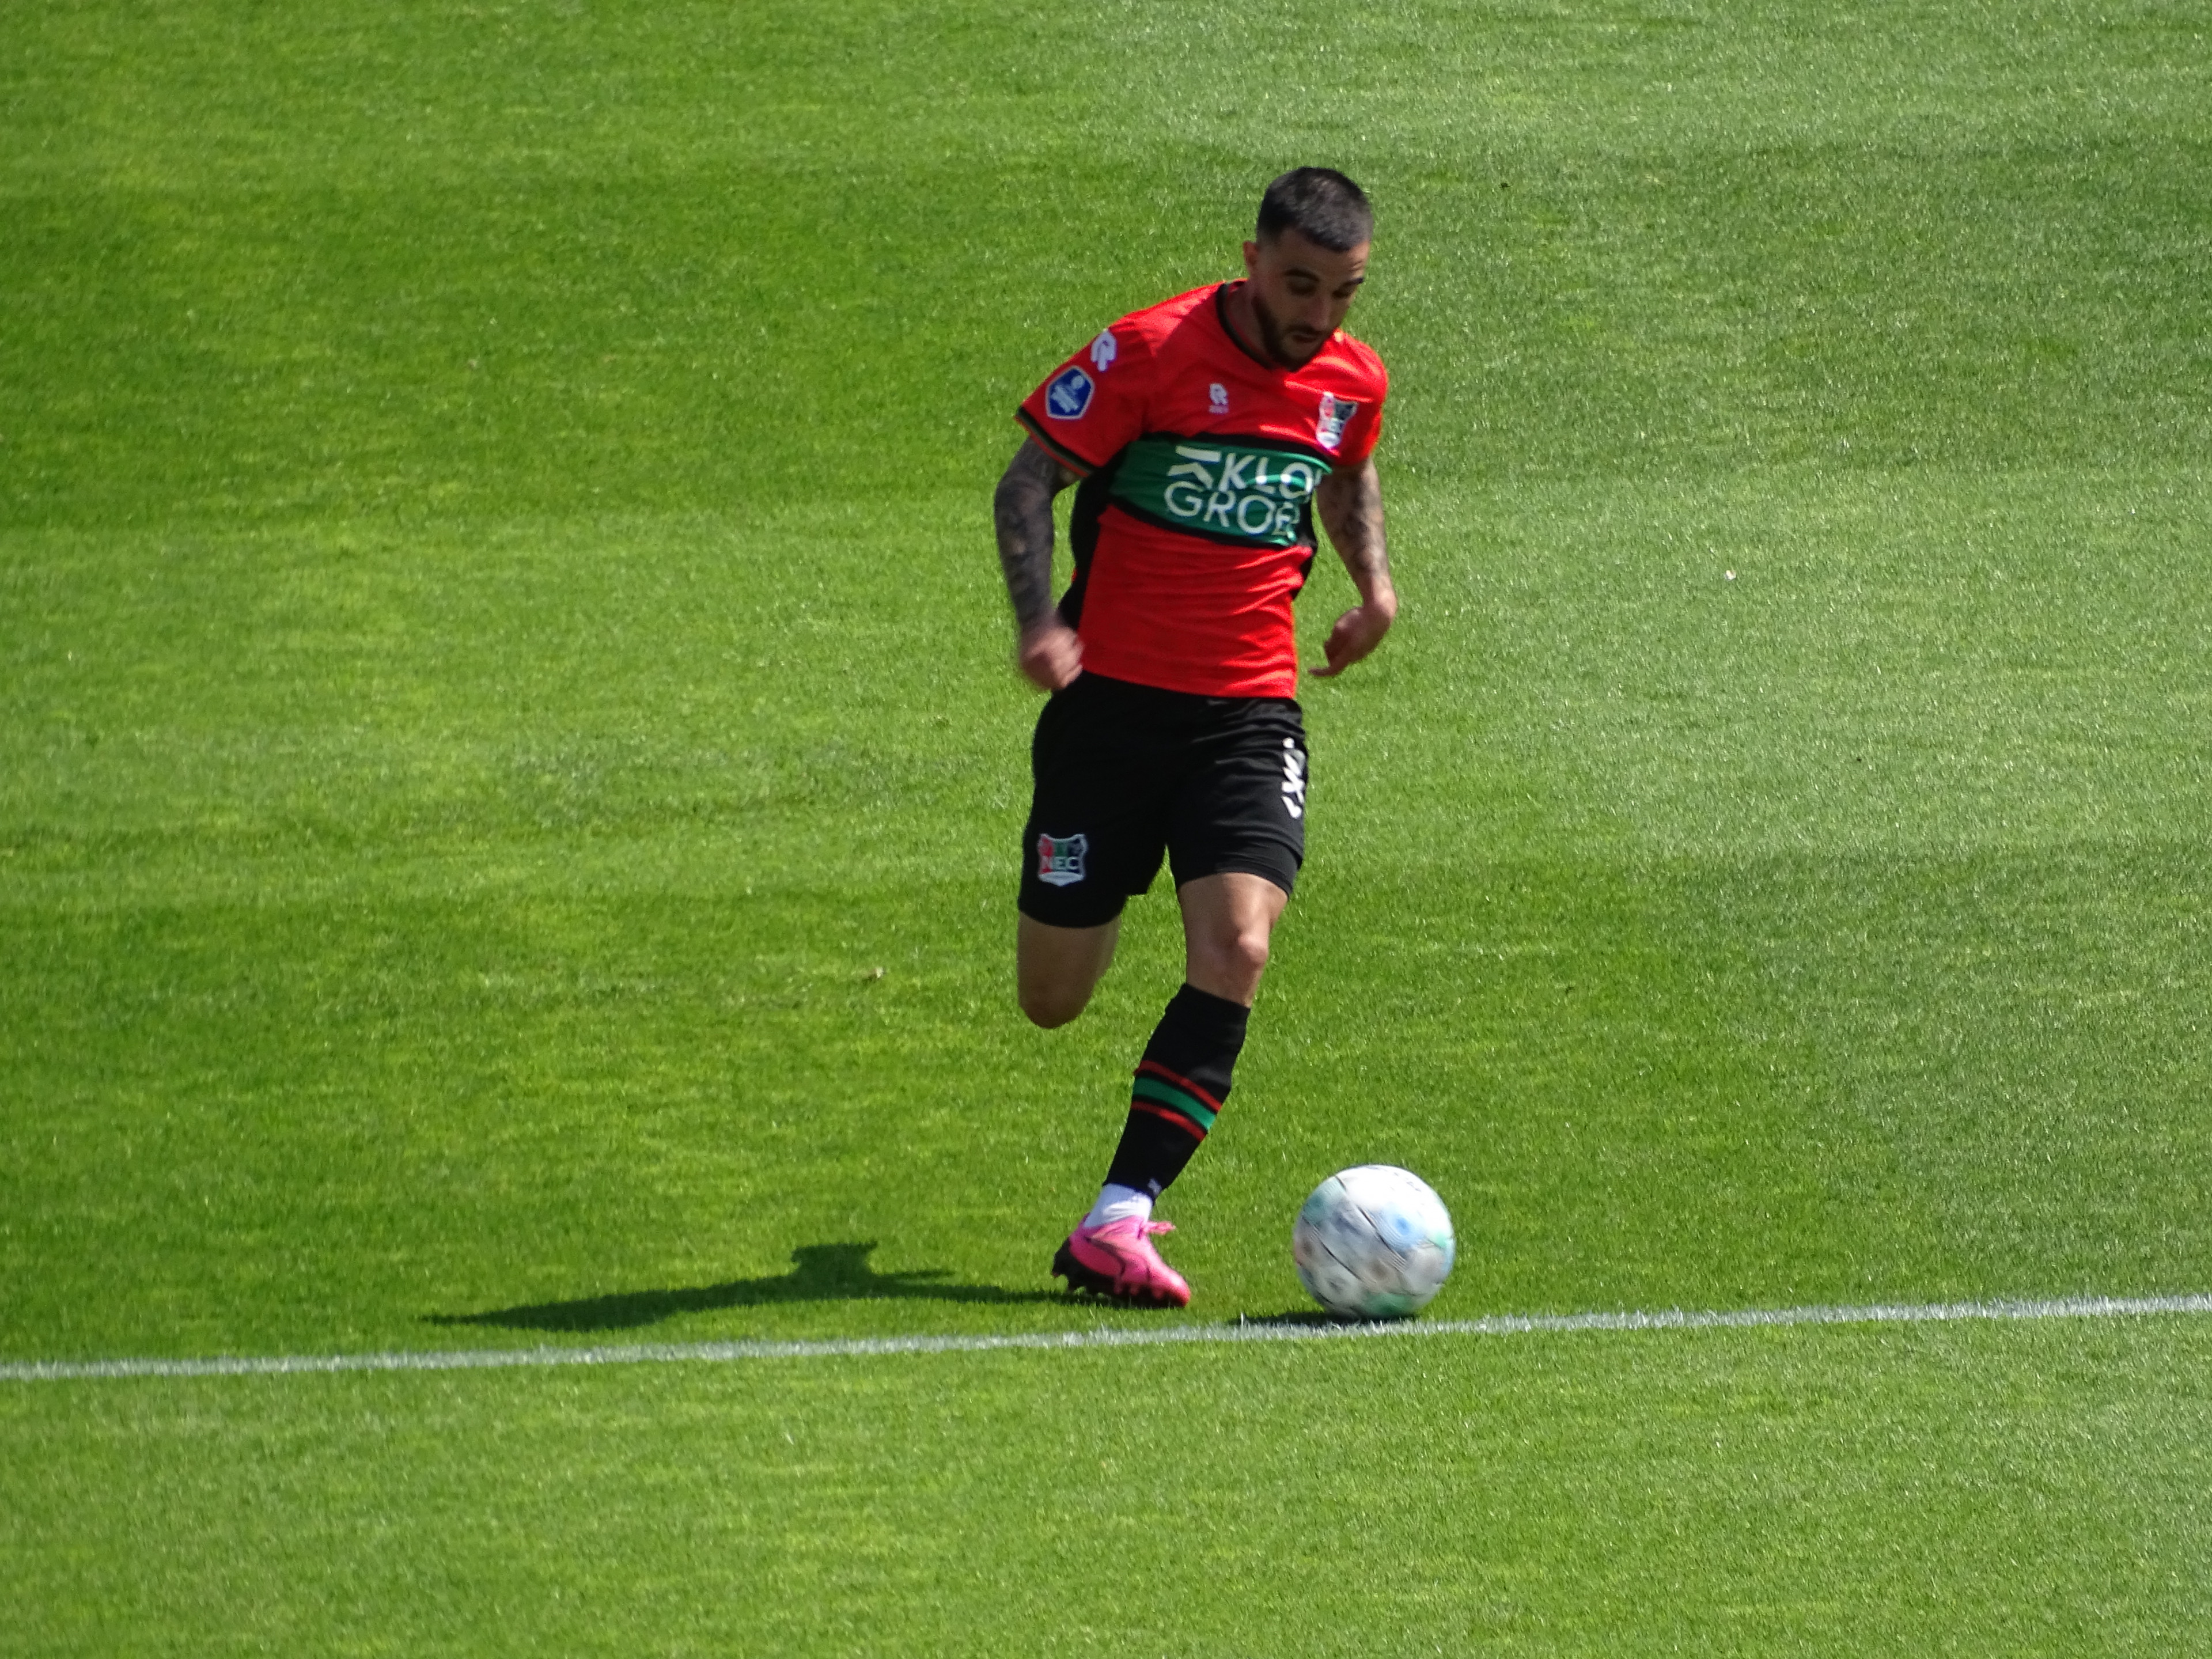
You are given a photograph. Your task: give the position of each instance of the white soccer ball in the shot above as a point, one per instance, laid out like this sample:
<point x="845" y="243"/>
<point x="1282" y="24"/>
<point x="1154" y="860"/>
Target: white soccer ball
<point x="1373" y="1243"/>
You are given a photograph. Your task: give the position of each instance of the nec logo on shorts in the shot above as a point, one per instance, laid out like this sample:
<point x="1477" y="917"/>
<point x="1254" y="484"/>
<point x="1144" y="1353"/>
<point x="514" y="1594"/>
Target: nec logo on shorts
<point x="1068" y="396"/>
<point x="1060" y="859"/>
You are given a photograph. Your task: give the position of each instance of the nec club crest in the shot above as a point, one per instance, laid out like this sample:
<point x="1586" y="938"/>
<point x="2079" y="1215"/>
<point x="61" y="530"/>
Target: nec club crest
<point x="1328" y="430"/>
<point x="1068" y="395"/>
<point x="1060" y="859"/>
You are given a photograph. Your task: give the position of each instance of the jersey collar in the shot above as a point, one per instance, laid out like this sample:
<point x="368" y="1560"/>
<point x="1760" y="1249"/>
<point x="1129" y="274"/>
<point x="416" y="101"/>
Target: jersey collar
<point x="1221" y="316"/>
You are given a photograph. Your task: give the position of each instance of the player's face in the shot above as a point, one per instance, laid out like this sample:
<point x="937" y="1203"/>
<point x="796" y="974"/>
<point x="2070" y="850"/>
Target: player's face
<point x="1300" y="291"/>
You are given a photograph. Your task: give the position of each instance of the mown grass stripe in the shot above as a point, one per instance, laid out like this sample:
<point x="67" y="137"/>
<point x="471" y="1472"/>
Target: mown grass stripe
<point x="2101" y="1306"/>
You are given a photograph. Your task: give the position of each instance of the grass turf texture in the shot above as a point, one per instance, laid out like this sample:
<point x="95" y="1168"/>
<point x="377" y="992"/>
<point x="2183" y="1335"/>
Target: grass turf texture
<point x="2021" y="1490"/>
<point x="498" y="644"/>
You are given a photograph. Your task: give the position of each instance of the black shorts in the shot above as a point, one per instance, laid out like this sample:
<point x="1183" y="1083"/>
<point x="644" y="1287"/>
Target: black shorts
<point x="1124" y="773"/>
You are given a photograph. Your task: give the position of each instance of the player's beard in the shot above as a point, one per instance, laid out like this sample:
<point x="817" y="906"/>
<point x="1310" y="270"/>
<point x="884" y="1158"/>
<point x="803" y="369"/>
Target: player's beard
<point x="1273" y="336"/>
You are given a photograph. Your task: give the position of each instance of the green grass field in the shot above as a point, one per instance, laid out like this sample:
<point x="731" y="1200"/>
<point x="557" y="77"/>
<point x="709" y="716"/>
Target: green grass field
<point x="510" y="772"/>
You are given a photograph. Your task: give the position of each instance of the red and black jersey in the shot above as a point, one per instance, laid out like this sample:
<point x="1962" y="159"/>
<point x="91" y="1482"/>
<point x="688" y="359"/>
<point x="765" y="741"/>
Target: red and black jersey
<point x="1193" y="527"/>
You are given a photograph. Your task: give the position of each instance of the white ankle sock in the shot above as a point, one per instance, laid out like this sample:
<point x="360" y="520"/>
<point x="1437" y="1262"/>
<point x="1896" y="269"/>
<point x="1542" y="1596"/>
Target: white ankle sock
<point x="1119" y="1204"/>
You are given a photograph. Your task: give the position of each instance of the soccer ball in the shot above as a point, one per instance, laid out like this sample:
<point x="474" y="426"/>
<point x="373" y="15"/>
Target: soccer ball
<point x="1373" y="1243"/>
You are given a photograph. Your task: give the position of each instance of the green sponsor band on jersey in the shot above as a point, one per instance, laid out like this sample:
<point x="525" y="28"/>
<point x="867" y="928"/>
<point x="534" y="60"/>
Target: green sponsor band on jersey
<point x="1240" y="491"/>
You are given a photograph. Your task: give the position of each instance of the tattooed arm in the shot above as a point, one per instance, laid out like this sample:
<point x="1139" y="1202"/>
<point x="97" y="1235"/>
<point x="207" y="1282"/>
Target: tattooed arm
<point x="1351" y="507"/>
<point x="1049" y="652"/>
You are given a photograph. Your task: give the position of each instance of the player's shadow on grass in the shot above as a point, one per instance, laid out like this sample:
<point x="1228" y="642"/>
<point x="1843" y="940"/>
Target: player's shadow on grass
<point x="819" y="1272"/>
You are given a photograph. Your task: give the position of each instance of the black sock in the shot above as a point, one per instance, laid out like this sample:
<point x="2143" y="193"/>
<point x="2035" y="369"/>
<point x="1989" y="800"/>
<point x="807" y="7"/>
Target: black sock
<point x="1182" y="1083"/>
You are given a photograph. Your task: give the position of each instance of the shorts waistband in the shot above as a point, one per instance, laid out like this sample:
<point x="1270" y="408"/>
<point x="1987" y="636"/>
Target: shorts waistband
<point x="1158" y="703"/>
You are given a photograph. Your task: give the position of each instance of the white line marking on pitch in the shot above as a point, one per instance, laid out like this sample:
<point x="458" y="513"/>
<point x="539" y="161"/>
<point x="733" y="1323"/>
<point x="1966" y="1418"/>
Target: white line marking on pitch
<point x="663" y="1353"/>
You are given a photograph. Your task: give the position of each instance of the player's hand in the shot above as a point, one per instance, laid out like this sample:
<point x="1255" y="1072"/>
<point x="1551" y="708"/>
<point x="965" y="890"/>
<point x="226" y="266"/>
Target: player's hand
<point x="1050" y="655"/>
<point x="1358" y="632"/>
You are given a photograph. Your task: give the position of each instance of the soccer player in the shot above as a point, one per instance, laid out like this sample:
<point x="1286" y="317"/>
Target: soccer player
<point x="1204" y="436"/>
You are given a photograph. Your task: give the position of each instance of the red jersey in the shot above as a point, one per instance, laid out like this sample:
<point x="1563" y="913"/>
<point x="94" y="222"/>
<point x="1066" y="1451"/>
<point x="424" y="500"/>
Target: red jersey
<point x="1194" y="524"/>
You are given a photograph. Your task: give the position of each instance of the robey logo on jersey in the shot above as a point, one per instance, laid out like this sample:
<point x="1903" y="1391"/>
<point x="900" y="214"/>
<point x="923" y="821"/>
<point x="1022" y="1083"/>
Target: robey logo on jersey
<point x="1232" y="489"/>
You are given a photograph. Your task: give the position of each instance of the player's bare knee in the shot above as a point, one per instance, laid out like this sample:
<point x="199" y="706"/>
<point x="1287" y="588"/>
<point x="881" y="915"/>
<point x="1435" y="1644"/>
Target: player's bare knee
<point x="1231" y="962"/>
<point x="1247" y="954"/>
<point x="1051" y="1006"/>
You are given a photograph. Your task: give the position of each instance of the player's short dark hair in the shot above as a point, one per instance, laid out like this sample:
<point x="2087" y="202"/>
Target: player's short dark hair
<point x="1321" y="205"/>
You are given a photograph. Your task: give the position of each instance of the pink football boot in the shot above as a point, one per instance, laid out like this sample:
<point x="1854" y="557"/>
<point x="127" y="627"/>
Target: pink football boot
<point x="1117" y="1261"/>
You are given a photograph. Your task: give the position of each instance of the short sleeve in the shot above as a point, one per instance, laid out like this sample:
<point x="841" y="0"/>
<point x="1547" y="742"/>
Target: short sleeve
<point x="1092" y="406"/>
